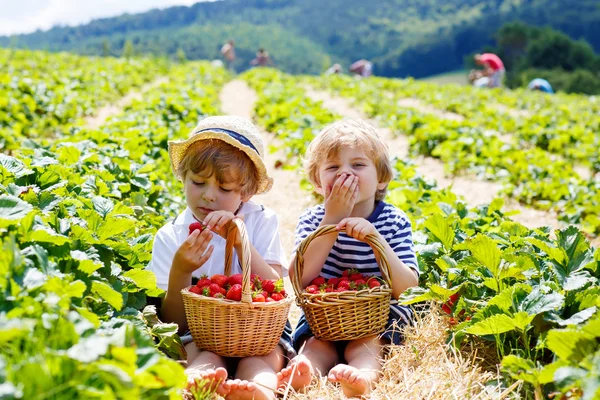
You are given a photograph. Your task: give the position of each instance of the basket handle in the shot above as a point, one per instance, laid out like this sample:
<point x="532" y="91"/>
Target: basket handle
<point x="234" y="226"/>
<point x="371" y="239"/>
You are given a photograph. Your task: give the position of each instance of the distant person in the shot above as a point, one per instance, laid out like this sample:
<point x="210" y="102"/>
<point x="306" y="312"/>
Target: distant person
<point x="335" y="69"/>
<point x="493" y="68"/>
<point x="540" y="84"/>
<point x="262" y="58"/>
<point x="363" y="68"/>
<point x="228" y="52"/>
<point x="477" y="79"/>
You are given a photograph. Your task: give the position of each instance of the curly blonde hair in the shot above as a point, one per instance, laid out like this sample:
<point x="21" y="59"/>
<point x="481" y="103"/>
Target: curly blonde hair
<point x="349" y="132"/>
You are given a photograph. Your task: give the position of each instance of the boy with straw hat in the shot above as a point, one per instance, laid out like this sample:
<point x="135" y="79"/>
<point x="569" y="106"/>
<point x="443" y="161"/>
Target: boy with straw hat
<point x="221" y="167"/>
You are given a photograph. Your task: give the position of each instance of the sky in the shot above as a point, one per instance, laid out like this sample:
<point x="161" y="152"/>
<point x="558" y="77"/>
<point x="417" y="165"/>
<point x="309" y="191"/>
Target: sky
<point x="24" y="16"/>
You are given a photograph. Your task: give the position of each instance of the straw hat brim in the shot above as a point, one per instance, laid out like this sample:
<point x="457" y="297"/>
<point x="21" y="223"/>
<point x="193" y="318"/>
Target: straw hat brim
<point x="178" y="148"/>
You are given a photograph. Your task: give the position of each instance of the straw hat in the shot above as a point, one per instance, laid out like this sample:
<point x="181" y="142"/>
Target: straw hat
<point x="238" y="132"/>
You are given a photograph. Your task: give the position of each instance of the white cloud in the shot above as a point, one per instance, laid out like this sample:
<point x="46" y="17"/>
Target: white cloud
<point x="24" y="16"/>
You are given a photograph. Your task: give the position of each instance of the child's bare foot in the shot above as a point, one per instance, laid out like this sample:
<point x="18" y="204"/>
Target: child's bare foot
<point x="246" y="390"/>
<point x="302" y="375"/>
<point x="213" y="379"/>
<point x="355" y="383"/>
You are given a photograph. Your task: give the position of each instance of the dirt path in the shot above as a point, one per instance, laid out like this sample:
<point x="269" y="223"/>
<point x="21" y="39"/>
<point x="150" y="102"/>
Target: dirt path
<point x="474" y="191"/>
<point x="103" y="114"/>
<point x="285" y="198"/>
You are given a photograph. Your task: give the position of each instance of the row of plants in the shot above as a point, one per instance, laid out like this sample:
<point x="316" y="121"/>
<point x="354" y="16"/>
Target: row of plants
<point x="77" y="220"/>
<point x="43" y="93"/>
<point x="532" y="297"/>
<point x="532" y="175"/>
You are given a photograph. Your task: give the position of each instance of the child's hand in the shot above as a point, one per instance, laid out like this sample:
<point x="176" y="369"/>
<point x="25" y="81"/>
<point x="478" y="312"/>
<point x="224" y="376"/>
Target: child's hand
<point x="218" y="222"/>
<point x="193" y="252"/>
<point x="358" y="228"/>
<point x="340" y="198"/>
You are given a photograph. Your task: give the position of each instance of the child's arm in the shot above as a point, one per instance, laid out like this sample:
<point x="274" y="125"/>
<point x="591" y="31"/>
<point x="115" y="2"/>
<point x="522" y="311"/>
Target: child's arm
<point x="339" y="202"/>
<point x="402" y="276"/>
<point x="190" y="256"/>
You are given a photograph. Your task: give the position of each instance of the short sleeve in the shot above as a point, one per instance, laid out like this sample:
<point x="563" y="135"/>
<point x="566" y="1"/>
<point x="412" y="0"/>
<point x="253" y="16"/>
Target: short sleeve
<point x="402" y="243"/>
<point x="163" y="251"/>
<point x="307" y="223"/>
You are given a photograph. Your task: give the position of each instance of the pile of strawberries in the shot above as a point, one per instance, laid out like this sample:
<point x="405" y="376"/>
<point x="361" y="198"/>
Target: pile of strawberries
<point x="230" y="287"/>
<point x="351" y="280"/>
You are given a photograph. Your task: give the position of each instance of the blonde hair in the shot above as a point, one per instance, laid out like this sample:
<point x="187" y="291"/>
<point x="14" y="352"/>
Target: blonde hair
<point x="350" y="132"/>
<point x="215" y="157"/>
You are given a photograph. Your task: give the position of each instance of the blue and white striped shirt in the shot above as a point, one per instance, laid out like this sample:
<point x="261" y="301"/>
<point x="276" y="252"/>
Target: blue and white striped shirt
<point x="347" y="252"/>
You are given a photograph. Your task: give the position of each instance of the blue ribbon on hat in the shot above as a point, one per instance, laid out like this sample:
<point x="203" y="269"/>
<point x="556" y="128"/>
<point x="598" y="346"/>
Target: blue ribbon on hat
<point x="240" y="138"/>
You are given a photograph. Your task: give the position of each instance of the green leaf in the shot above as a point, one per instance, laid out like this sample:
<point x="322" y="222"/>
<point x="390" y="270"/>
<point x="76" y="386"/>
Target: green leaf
<point x="415" y="294"/>
<point x="538" y="302"/>
<point x="578" y="318"/>
<point x="14" y="166"/>
<point x="76" y="289"/>
<point x="47" y="236"/>
<point x="493" y="325"/>
<point x="554" y="253"/>
<point x="13" y="208"/>
<point x="522" y="320"/>
<point x="112" y="297"/>
<point x="520" y="368"/>
<point x="113" y="227"/>
<point x="485" y="250"/>
<point x="508" y="299"/>
<point x="144" y="279"/>
<point x="570" y="344"/>
<point x="441" y="230"/>
<point x="102" y="205"/>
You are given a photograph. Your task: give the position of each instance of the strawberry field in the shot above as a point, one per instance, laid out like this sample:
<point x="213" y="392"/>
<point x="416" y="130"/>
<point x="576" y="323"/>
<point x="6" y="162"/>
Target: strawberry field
<point x="79" y="207"/>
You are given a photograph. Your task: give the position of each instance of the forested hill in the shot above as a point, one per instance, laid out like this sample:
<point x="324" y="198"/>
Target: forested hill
<point x="402" y="37"/>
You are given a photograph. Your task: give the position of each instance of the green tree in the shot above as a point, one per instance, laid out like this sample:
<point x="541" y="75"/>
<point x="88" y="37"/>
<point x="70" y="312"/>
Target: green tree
<point x="180" y="55"/>
<point x="105" y="48"/>
<point x="128" y="50"/>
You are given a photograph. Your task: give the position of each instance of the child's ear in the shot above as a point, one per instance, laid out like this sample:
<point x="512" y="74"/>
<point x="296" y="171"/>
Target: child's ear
<point x="382" y="185"/>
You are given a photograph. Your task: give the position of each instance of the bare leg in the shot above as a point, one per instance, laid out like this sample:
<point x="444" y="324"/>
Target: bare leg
<point x="317" y="355"/>
<point x="363" y="368"/>
<point x="206" y="366"/>
<point x="256" y="377"/>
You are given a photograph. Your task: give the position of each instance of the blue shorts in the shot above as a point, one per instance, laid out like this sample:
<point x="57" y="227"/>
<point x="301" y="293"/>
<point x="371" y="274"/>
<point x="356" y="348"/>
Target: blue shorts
<point x="393" y="332"/>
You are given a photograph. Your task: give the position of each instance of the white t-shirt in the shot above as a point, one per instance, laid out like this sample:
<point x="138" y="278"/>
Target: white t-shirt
<point x="263" y="232"/>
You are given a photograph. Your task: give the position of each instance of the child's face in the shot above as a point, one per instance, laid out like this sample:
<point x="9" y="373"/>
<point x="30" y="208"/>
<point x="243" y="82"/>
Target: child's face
<point x="351" y="160"/>
<point x="205" y="194"/>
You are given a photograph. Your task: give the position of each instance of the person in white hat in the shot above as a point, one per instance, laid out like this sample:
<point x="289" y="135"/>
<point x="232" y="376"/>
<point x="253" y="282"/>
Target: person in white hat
<point x="221" y="167"/>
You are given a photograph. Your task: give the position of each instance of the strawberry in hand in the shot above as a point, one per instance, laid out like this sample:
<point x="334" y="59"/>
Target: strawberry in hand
<point x="195" y="226"/>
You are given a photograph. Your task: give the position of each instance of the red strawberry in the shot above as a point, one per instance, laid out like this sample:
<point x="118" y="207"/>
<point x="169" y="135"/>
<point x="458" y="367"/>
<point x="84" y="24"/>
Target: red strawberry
<point x="273" y="286"/>
<point x="203" y="281"/>
<point x="453" y="298"/>
<point x="312" y="289"/>
<point x="342" y="289"/>
<point x="453" y="321"/>
<point x="446" y="308"/>
<point x="318" y="281"/>
<point x="234" y="292"/>
<point x="219" y="279"/>
<point x="196" y="225"/>
<point x="270" y="300"/>
<point x="357" y="276"/>
<point x="258" y="298"/>
<point x="373" y="282"/>
<point x="223" y="291"/>
<point x="277" y="296"/>
<point x="196" y="289"/>
<point x="333" y="281"/>
<point x="213" y="288"/>
<point x="235" y="279"/>
<point x="345" y="284"/>
<point x="360" y="283"/>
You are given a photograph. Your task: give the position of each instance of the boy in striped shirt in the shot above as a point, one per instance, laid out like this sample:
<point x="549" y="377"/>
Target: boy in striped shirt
<point x="348" y="164"/>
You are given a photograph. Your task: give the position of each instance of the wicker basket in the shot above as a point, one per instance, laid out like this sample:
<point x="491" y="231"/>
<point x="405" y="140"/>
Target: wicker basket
<point x="344" y="315"/>
<point x="235" y="328"/>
